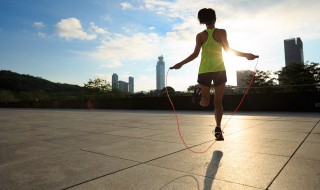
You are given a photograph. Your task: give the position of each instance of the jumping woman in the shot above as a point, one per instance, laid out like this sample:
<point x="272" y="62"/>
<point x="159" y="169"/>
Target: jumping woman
<point x="211" y="68"/>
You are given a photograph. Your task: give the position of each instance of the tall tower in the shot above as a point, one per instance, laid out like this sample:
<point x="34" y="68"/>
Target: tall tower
<point x="293" y="50"/>
<point x="160" y="73"/>
<point x="115" y="81"/>
<point x="131" y="85"/>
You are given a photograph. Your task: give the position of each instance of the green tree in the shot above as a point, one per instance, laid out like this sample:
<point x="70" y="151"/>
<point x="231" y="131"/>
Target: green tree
<point x="98" y="85"/>
<point x="171" y="91"/>
<point x="262" y="82"/>
<point x="7" y="96"/>
<point x="192" y="87"/>
<point x="300" y="77"/>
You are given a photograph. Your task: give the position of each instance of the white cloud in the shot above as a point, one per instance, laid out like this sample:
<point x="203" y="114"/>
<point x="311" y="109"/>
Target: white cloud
<point x="282" y="16"/>
<point x="111" y="63"/>
<point x="41" y="34"/>
<point x="126" y="6"/>
<point x="38" y="25"/>
<point x="71" y="28"/>
<point x="102" y="76"/>
<point x="106" y="18"/>
<point x="121" y="48"/>
<point x="97" y="29"/>
<point x="149" y="83"/>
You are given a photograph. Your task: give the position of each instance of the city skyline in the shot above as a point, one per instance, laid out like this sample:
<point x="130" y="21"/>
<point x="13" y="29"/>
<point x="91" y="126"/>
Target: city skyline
<point x="74" y="41"/>
<point x="122" y="85"/>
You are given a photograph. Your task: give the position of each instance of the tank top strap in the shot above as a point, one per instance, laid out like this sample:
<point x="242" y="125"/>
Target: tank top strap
<point x="210" y="33"/>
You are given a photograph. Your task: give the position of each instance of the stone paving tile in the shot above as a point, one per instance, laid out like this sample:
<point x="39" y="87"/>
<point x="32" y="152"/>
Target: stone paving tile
<point x="59" y="171"/>
<point x="136" y="132"/>
<point x="22" y="152"/>
<point x="14" y="126"/>
<point x="143" y="177"/>
<point x="250" y="169"/>
<point x="261" y="145"/>
<point x="186" y="160"/>
<point x="88" y="140"/>
<point x="299" y="174"/>
<point x="316" y="129"/>
<point x="140" y="150"/>
<point x="301" y="117"/>
<point x="309" y="151"/>
<point x="11" y="137"/>
<point x="287" y="126"/>
<point x="280" y="135"/>
<point x="89" y="126"/>
<point x="313" y="138"/>
<point x="191" y="139"/>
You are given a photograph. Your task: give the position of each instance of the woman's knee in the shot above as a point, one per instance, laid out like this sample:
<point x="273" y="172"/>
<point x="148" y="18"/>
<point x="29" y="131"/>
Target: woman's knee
<point x="205" y="101"/>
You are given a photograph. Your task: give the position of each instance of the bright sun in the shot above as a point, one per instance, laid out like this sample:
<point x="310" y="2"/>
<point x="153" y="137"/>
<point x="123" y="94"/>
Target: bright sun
<point x="233" y="64"/>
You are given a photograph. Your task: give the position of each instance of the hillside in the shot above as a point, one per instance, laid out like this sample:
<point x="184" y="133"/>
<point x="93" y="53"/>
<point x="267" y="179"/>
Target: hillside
<point x="16" y="82"/>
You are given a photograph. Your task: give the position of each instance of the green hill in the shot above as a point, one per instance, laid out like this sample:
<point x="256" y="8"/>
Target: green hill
<point x="20" y="82"/>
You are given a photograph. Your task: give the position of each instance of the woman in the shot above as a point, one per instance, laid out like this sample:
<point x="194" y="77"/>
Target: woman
<point x="212" y="68"/>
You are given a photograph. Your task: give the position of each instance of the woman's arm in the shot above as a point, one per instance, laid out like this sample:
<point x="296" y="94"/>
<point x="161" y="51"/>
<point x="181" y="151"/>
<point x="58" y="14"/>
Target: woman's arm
<point x="225" y="44"/>
<point x="191" y="57"/>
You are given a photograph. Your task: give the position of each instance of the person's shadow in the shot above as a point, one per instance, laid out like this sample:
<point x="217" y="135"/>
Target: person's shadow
<point x="212" y="169"/>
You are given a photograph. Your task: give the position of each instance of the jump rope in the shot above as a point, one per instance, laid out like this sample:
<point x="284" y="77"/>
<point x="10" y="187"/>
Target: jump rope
<point x="233" y="113"/>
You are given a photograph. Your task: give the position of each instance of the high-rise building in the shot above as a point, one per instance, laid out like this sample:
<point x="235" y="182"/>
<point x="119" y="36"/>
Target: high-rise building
<point x="243" y="76"/>
<point x="131" y="85"/>
<point x="123" y="86"/>
<point x="293" y="50"/>
<point x="115" y="81"/>
<point x="160" y="73"/>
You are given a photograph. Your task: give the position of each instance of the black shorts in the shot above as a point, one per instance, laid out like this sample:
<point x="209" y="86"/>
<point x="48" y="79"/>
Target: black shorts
<point x="218" y="78"/>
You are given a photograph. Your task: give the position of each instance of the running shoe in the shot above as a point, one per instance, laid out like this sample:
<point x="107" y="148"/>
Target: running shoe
<point x="196" y="96"/>
<point x="218" y="134"/>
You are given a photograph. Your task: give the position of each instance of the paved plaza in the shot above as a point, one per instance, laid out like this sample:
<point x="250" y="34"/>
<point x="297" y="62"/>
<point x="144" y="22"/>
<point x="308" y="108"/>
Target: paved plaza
<point x="128" y="149"/>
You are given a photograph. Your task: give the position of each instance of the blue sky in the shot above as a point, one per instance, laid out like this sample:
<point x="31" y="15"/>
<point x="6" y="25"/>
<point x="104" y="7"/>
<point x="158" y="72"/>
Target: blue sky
<point x="72" y="41"/>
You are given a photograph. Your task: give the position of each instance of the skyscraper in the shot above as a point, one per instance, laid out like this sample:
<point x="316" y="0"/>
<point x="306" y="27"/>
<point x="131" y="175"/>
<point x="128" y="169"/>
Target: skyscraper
<point x="160" y="73"/>
<point x="123" y="86"/>
<point x="115" y="80"/>
<point x="293" y="50"/>
<point x="131" y="85"/>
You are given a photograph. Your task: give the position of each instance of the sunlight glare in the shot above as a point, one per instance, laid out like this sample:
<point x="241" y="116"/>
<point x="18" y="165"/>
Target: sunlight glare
<point x="233" y="64"/>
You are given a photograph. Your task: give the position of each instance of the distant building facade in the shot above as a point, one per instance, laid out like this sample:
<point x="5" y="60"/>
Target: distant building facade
<point x="115" y="81"/>
<point x="243" y="76"/>
<point x="122" y="85"/>
<point x="293" y="50"/>
<point x="160" y="73"/>
<point x="131" y="85"/>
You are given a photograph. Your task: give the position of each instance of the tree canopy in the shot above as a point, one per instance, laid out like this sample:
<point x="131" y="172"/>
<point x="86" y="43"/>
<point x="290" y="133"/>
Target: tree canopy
<point x="300" y="77"/>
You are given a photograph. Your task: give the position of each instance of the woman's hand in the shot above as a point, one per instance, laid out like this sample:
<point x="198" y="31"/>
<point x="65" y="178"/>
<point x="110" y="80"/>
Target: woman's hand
<point x="176" y="66"/>
<point x="250" y="56"/>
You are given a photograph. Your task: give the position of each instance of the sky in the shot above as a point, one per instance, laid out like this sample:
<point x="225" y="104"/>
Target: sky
<point x="72" y="41"/>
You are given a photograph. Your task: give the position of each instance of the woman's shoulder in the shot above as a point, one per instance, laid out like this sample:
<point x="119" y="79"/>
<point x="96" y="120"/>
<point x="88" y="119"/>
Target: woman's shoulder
<point x="202" y="34"/>
<point x="221" y="30"/>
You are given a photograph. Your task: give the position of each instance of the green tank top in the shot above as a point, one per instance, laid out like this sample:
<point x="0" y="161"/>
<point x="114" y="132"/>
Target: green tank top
<point x="211" y="55"/>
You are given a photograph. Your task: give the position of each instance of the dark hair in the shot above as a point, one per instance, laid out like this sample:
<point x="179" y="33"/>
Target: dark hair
<point x="206" y="16"/>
